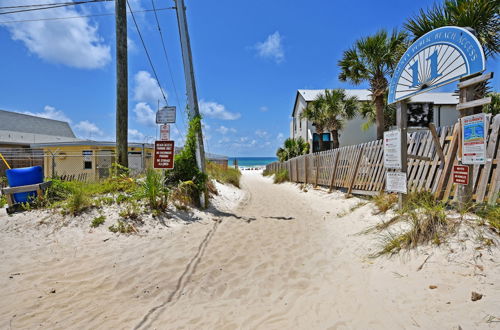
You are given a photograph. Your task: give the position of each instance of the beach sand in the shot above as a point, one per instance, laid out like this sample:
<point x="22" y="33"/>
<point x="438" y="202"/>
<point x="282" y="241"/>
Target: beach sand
<point x="273" y="258"/>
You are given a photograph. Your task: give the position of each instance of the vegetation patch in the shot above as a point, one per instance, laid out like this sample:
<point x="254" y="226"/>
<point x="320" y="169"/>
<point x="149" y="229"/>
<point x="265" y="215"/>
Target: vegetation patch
<point x="122" y="227"/>
<point x="384" y="202"/>
<point x="427" y="223"/>
<point x="97" y="221"/>
<point x="184" y="195"/>
<point x="131" y="211"/>
<point x="280" y="176"/>
<point x="491" y="214"/>
<point x="224" y="174"/>
<point x="77" y="203"/>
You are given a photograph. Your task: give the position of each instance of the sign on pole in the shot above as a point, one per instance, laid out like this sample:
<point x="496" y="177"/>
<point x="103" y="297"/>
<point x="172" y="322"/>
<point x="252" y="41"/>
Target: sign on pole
<point x="461" y="174"/>
<point x="474" y="131"/>
<point x="396" y="182"/>
<point x="164" y="132"/>
<point x="164" y="155"/>
<point x="166" y="115"/>
<point x="392" y="149"/>
<point x="439" y="57"/>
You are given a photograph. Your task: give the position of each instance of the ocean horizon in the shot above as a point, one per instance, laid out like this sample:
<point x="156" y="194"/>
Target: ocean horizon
<point x="252" y="161"/>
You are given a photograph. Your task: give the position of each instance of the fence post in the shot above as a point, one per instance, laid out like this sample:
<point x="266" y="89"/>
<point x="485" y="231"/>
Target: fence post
<point x="402" y="122"/>
<point x="355" y="173"/>
<point x="334" y="172"/>
<point x="296" y="170"/>
<point x="317" y="171"/>
<point x="53" y="164"/>
<point x="305" y="167"/>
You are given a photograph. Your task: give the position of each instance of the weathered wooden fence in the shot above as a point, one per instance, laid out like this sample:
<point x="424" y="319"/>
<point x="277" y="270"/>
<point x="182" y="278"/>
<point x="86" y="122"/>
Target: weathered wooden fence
<point x="359" y="169"/>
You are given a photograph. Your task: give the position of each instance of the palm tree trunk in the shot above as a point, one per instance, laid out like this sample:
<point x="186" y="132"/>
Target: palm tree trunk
<point x="379" y="113"/>
<point x="335" y="139"/>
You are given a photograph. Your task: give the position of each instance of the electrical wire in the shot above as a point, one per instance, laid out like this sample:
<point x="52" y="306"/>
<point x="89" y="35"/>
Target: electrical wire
<point x="80" y="16"/>
<point x="149" y="59"/>
<point x="67" y="4"/>
<point x="168" y="63"/>
<point x="44" y="4"/>
<point x="147" y="53"/>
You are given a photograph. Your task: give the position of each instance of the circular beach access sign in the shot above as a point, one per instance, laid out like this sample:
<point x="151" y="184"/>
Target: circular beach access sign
<point x="439" y="57"/>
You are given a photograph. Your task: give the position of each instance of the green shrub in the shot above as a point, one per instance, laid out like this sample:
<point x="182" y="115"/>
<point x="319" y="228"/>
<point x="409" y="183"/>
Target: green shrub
<point x="3" y="201"/>
<point x="154" y="190"/>
<point x="97" y="221"/>
<point x="184" y="195"/>
<point x="186" y="168"/>
<point x="224" y="175"/>
<point x="122" y="227"/>
<point x="281" y="176"/>
<point x="77" y="202"/>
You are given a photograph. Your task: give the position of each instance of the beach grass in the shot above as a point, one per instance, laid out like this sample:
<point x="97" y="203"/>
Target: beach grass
<point x="224" y="174"/>
<point x="384" y="201"/>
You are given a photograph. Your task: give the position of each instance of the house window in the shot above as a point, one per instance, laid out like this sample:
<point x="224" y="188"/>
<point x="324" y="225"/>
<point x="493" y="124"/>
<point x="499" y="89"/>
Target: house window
<point x="87" y="159"/>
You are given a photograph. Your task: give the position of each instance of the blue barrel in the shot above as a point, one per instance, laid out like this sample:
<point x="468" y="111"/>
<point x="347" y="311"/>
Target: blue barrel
<point x="22" y="177"/>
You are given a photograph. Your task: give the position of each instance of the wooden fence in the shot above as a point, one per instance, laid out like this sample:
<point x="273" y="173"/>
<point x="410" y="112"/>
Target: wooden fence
<point x="359" y="169"/>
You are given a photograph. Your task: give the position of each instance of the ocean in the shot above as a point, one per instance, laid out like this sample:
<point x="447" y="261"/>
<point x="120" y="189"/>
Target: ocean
<point x="252" y="161"/>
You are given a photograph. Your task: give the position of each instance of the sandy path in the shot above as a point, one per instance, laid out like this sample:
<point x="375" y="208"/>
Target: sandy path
<point x="275" y="262"/>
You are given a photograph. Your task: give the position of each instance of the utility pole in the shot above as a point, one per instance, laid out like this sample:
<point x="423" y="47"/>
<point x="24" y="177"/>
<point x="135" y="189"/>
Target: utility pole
<point x="121" y="83"/>
<point x="194" y="110"/>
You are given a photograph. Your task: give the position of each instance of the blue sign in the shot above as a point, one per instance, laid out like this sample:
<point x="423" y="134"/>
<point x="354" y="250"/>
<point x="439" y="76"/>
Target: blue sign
<point x="439" y="57"/>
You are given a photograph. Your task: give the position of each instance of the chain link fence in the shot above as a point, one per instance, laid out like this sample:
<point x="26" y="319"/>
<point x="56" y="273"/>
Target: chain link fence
<point x="73" y="164"/>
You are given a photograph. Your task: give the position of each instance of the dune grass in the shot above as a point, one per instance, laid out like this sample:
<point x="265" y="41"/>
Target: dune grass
<point x="281" y="176"/>
<point x="427" y="223"/>
<point x="224" y="175"/>
<point x="384" y="201"/>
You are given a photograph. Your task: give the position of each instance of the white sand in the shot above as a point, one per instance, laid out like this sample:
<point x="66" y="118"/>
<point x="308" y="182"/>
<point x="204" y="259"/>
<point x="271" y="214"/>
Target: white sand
<point x="281" y="259"/>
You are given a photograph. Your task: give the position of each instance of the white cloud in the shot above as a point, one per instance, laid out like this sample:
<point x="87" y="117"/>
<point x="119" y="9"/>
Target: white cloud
<point x="216" y="110"/>
<point x="144" y="114"/>
<point x="136" y="135"/>
<point x="73" y="42"/>
<point x="88" y="129"/>
<point x="280" y="137"/>
<point x="271" y="48"/>
<point x="264" y="109"/>
<point x="50" y="112"/>
<point x="261" y="133"/>
<point x="224" y="130"/>
<point x="146" y="88"/>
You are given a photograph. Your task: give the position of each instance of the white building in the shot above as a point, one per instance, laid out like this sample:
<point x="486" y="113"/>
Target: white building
<point x="438" y="108"/>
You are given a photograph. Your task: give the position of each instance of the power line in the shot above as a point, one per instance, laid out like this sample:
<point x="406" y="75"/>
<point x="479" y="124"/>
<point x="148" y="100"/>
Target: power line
<point x="56" y="5"/>
<point x="147" y="53"/>
<point x="149" y="58"/>
<point x="43" y="4"/>
<point x="168" y="63"/>
<point x="80" y="16"/>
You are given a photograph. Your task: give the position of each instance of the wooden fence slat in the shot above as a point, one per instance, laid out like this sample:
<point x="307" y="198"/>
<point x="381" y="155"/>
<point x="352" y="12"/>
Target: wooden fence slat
<point x="334" y="171"/>
<point x="450" y="157"/>
<point x="490" y="155"/>
<point x="355" y="172"/>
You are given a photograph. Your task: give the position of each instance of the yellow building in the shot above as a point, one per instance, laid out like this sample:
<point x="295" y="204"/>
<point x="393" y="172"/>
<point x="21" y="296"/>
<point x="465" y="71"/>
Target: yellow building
<point x="87" y="160"/>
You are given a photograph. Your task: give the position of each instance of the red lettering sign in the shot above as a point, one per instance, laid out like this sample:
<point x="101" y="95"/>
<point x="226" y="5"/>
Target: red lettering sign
<point x="461" y="174"/>
<point x="164" y="154"/>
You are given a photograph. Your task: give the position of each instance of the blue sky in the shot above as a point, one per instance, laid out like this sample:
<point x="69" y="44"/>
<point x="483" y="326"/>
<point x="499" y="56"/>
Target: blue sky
<point x="250" y="57"/>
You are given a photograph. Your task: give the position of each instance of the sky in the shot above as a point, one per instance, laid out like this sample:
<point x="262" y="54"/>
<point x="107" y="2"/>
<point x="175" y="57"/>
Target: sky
<point x="250" y="57"/>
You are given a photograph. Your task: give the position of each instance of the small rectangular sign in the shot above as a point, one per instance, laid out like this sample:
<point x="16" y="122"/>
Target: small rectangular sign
<point x="166" y="115"/>
<point x="164" y="155"/>
<point x="474" y="131"/>
<point x="392" y="149"/>
<point x="165" y="132"/>
<point x="461" y="174"/>
<point x="396" y="182"/>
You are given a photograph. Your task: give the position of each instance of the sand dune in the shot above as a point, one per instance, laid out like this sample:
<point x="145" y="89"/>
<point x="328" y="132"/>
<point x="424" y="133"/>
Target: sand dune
<point x="281" y="259"/>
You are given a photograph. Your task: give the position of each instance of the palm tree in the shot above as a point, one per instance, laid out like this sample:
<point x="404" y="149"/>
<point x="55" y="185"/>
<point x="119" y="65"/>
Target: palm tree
<point x="315" y="113"/>
<point x="373" y="59"/>
<point x="368" y="112"/>
<point x="292" y="148"/>
<point x="338" y="107"/>
<point x="481" y="15"/>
